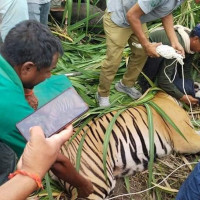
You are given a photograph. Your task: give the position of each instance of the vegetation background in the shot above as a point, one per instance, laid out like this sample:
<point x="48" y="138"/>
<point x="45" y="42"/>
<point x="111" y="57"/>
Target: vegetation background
<point x="81" y="32"/>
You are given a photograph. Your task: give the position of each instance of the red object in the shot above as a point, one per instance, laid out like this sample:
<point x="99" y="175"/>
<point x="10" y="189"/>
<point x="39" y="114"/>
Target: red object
<point x="35" y="177"/>
<point x="29" y="94"/>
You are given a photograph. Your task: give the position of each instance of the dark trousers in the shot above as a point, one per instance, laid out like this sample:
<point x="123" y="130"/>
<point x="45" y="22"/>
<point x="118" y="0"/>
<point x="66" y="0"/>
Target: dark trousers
<point x="8" y="162"/>
<point x="151" y="69"/>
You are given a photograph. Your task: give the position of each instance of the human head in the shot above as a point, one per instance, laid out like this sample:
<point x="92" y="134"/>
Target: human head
<point x="195" y="39"/>
<point x="32" y="51"/>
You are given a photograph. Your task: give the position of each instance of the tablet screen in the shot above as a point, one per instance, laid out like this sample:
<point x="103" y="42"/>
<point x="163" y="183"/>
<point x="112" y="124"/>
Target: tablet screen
<point x="55" y="115"/>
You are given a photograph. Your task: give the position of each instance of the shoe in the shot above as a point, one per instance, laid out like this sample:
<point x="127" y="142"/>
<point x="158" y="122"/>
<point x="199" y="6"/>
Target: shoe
<point x="132" y="92"/>
<point x="103" y="101"/>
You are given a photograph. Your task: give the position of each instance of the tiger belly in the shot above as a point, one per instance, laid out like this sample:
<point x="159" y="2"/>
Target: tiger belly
<point x="128" y="150"/>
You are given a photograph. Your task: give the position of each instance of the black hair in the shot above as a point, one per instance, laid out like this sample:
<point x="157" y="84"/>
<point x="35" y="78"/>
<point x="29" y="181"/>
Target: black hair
<point x="30" y="41"/>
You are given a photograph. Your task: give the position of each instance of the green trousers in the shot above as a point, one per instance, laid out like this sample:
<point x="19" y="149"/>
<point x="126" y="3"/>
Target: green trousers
<point x="116" y="39"/>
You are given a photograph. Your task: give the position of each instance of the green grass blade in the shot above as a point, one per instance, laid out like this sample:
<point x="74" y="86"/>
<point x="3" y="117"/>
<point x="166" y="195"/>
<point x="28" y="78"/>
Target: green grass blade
<point x="166" y="117"/>
<point x="128" y="185"/>
<point x="80" y="147"/>
<point x="79" y="7"/>
<point x="151" y="143"/>
<point x="81" y="22"/>
<point x="48" y="186"/>
<point x="148" y="79"/>
<point x="79" y="129"/>
<point x="69" y="16"/>
<point x="149" y="95"/>
<point x="65" y="13"/>
<point x="107" y="139"/>
<point x="78" y="156"/>
<point x="88" y="14"/>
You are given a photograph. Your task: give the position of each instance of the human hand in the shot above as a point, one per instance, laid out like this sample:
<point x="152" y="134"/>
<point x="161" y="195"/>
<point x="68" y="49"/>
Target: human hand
<point x="40" y="152"/>
<point x="64" y="170"/>
<point x="179" y="48"/>
<point x="150" y="49"/>
<point x="31" y="98"/>
<point x="193" y="100"/>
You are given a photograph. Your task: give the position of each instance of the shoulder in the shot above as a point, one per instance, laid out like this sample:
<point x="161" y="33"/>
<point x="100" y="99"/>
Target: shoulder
<point x="149" y="5"/>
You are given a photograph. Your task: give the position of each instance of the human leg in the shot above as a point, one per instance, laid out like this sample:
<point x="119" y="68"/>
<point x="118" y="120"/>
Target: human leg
<point x="34" y="11"/>
<point x="116" y="39"/>
<point x="136" y="60"/>
<point x="12" y="12"/>
<point x="44" y="12"/>
<point x="150" y="69"/>
<point x="135" y="65"/>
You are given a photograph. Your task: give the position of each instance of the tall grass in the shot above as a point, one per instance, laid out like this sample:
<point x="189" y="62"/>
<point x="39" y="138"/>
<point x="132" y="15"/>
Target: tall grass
<point x="82" y="61"/>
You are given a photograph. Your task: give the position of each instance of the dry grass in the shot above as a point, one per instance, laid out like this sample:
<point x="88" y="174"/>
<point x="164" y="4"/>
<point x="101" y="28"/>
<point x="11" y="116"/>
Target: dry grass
<point x="162" y="168"/>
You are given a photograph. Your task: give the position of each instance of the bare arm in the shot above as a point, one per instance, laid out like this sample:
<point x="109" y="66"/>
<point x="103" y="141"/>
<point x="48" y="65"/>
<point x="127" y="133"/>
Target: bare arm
<point x="133" y="16"/>
<point x="18" y="188"/>
<point x="38" y="150"/>
<point x="168" y="25"/>
<point x="64" y="170"/>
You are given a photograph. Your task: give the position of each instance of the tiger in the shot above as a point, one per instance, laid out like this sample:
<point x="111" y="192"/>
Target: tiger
<point x="128" y="150"/>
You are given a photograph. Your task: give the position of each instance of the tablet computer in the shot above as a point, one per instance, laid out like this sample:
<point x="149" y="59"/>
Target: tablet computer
<point x="55" y="115"/>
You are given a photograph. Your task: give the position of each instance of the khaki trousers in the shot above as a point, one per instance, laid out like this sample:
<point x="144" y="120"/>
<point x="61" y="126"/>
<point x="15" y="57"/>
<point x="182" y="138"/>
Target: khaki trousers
<point x="116" y="40"/>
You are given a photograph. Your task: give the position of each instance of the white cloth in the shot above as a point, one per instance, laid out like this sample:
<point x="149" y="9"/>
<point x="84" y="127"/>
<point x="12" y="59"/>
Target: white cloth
<point x="184" y="33"/>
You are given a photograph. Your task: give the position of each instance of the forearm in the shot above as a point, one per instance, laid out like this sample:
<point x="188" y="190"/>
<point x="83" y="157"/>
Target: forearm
<point x="168" y="25"/>
<point x="18" y="188"/>
<point x="64" y="170"/>
<point x="133" y="17"/>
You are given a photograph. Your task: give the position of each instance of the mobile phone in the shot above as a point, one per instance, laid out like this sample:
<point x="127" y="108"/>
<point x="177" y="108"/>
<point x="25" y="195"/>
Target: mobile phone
<point x="55" y="115"/>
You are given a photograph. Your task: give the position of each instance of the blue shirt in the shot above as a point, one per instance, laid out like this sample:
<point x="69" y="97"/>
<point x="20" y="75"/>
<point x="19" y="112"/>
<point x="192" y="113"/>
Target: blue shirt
<point x="153" y="9"/>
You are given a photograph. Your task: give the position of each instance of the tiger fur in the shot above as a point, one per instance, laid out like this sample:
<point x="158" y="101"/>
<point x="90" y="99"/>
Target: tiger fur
<point x="128" y="150"/>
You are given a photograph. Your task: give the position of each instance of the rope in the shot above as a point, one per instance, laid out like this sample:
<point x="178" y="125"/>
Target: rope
<point x="170" y="53"/>
<point x="123" y="195"/>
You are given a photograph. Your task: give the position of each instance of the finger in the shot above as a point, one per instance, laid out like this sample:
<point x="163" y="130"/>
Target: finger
<point x="157" y="55"/>
<point x="157" y="44"/>
<point x="64" y="135"/>
<point x="37" y="134"/>
<point x="60" y="158"/>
